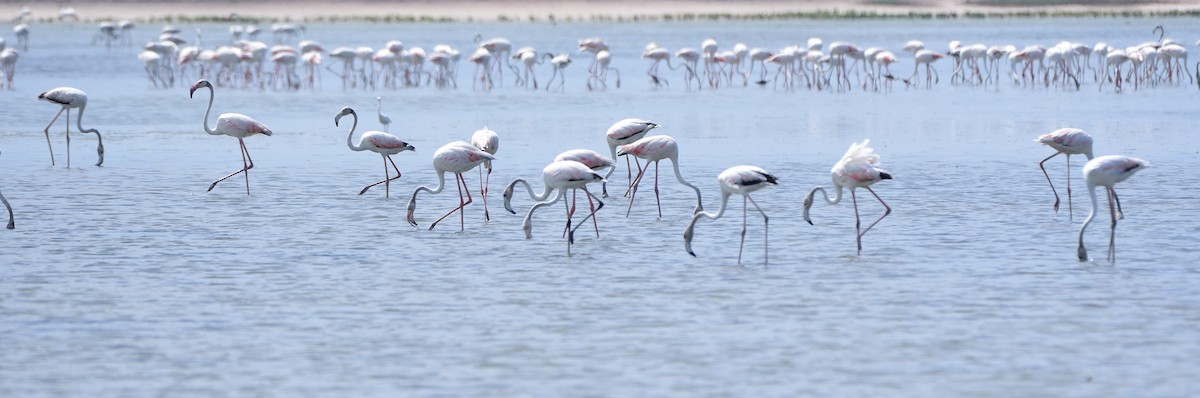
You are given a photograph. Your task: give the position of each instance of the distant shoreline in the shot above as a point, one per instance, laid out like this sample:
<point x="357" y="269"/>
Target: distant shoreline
<point x="587" y="11"/>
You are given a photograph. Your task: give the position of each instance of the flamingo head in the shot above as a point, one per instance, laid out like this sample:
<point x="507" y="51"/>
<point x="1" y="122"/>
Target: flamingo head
<point x="200" y="83"/>
<point x="345" y="111"/>
<point x="508" y="194"/>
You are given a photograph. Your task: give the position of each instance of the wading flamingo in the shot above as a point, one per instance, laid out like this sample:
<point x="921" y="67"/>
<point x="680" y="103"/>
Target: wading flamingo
<point x="489" y="142"/>
<point x="564" y="175"/>
<point x="70" y="98"/>
<point x="234" y="125"/>
<point x="456" y="157"/>
<point x="1068" y="141"/>
<point x="858" y="168"/>
<point x="379" y="142"/>
<point x="655" y="149"/>
<point x="1106" y="171"/>
<point x="623" y="132"/>
<point x="592" y="159"/>
<point x="741" y="180"/>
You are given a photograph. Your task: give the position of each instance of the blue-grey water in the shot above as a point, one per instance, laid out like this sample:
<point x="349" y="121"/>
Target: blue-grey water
<point x="130" y="280"/>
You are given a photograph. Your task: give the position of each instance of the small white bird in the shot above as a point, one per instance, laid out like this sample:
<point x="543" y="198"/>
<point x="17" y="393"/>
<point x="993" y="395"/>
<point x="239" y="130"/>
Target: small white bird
<point x="383" y="119"/>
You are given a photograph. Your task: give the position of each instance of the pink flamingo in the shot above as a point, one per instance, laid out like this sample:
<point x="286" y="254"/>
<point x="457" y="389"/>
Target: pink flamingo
<point x="741" y="180"/>
<point x="655" y="149"/>
<point x="1106" y="171"/>
<point x="489" y="142"/>
<point x="375" y="141"/>
<point x="593" y="160"/>
<point x="70" y="98"/>
<point x="623" y="132"/>
<point x="234" y="125"/>
<point x="456" y="157"/>
<point x="927" y="58"/>
<point x="1069" y="141"/>
<point x="858" y="168"/>
<point x="564" y="175"/>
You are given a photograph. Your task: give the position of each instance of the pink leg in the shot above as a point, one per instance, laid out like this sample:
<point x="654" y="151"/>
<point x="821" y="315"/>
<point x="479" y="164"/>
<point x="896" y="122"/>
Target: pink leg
<point x="245" y="155"/>
<point x="1070" y="206"/>
<point x="386" y="181"/>
<point x="633" y="190"/>
<point x="592" y="208"/>
<point x="1042" y="164"/>
<point x="245" y="168"/>
<point x="68" y="138"/>
<point x="887" y="210"/>
<point x="857" y="223"/>
<point x="657" y="202"/>
<point x="47" y="131"/>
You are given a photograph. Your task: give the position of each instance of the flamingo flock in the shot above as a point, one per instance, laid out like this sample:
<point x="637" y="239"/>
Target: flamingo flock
<point x="240" y="65"/>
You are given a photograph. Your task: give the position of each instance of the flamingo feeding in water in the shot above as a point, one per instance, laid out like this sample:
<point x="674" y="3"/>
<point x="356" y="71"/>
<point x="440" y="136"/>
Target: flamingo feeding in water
<point x="1069" y="141"/>
<point x="654" y="149"/>
<point x="456" y="157"/>
<point x="563" y="175"/>
<point x="858" y="168"/>
<point x="70" y="98"/>
<point x="1106" y="171"/>
<point x="741" y="180"/>
<point x="234" y="125"/>
<point x="592" y="159"/>
<point x="379" y="142"/>
<point x="623" y="132"/>
<point x="489" y="142"/>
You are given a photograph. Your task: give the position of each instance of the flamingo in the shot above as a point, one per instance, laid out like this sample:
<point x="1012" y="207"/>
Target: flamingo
<point x="489" y="142"/>
<point x="375" y="141"/>
<point x="22" y="33"/>
<point x="1106" y="171"/>
<point x="11" y="223"/>
<point x="602" y="60"/>
<point x="234" y="125"/>
<point x="560" y="63"/>
<point x="593" y="160"/>
<point x="655" y="149"/>
<point x="563" y="175"/>
<point x="383" y="119"/>
<point x="1069" y="141"/>
<point x="741" y="180"/>
<point x="858" y="168"/>
<point x="8" y="65"/>
<point x="623" y="132"/>
<point x="456" y="157"/>
<point x="70" y="98"/>
<point x="587" y="157"/>
<point x="926" y="57"/>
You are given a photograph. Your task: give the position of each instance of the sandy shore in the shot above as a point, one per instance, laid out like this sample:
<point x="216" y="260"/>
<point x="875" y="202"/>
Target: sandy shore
<point x="541" y="10"/>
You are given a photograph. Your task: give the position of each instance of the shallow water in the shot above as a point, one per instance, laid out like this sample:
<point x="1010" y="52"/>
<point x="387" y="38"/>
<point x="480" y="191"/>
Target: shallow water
<point x="131" y="280"/>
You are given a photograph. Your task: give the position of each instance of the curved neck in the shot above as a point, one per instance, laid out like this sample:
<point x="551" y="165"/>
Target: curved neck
<point x="837" y="194"/>
<point x="441" y="184"/>
<point x="712" y="216"/>
<point x="79" y="118"/>
<point x="208" y="111"/>
<point x="10" y="212"/>
<point x="1091" y="216"/>
<point x="350" y="135"/>
<point x="678" y="176"/>
<point x="526" y="224"/>
<point x="508" y="191"/>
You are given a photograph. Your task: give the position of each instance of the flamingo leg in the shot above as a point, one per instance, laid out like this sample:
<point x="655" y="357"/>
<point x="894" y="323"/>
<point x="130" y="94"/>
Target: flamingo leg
<point x="1070" y="206"/>
<point x="657" y="201"/>
<point x="1112" y="233"/>
<point x="592" y="215"/>
<point x="11" y="223"/>
<point x="636" y="181"/>
<point x="245" y="155"/>
<point x="857" y="222"/>
<point x="462" y="185"/>
<point x="766" y="227"/>
<point x="47" y="131"/>
<point x="743" y="241"/>
<point x="387" y="180"/>
<point x="592" y="208"/>
<point x="487" y="187"/>
<point x="570" y="207"/>
<point x="887" y="210"/>
<point x="68" y="138"/>
<point x="1042" y="164"/>
<point x="1120" y="214"/>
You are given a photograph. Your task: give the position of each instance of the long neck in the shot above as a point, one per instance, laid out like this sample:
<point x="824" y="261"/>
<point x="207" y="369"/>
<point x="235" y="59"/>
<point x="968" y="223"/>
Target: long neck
<point x="79" y="118"/>
<point x="10" y="213"/>
<point x="1082" y="252"/>
<point x="808" y="199"/>
<point x="349" y="141"/>
<point x="687" y="233"/>
<point x="678" y="176"/>
<point x="208" y="111"/>
<point x="528" y="188"/>
<point x="526" y="224"/>
<point x="99" y="139"/>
